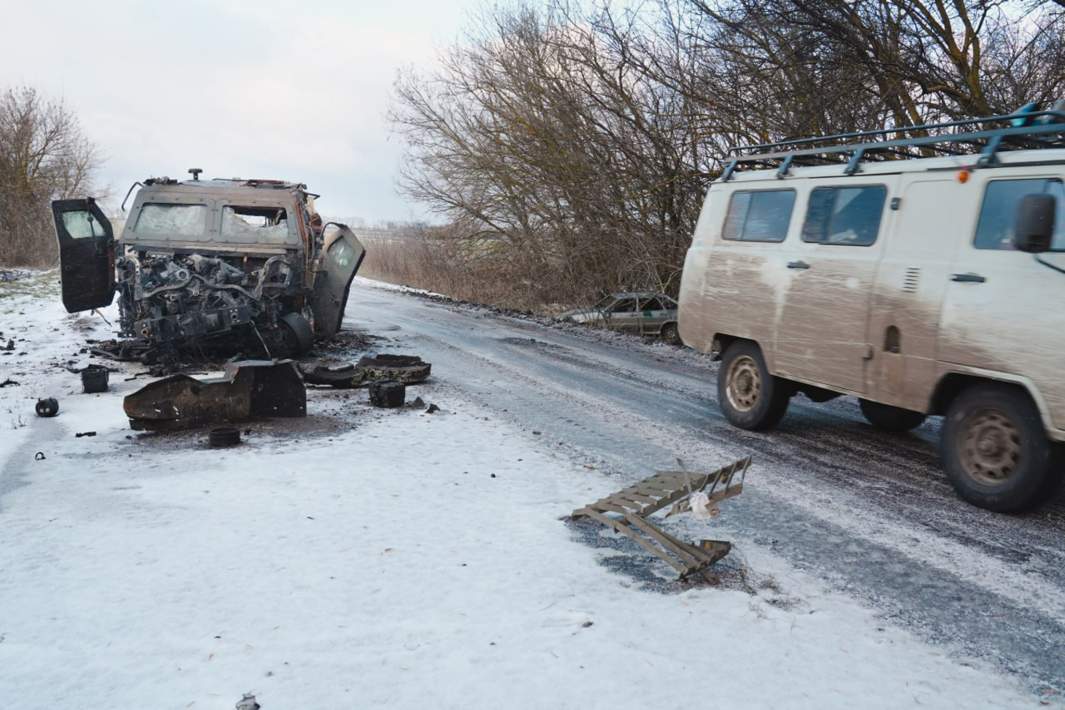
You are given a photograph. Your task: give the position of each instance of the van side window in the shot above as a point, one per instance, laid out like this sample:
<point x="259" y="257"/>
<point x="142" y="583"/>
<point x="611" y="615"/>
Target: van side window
<point x="759" y="215"/>
<point x="997" y="214"/>
<point x="847" y="216"/>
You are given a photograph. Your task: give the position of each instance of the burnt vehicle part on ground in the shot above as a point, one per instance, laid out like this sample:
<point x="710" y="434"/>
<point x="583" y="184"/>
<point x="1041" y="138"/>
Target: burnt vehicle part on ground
<point x="628" y="512"/>
<point x="251" y="389"/>
<point x="216" y="263"/>
<point x="405" y="369"/>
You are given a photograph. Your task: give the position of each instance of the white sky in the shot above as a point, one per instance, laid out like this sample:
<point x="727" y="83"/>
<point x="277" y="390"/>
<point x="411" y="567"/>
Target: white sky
<point x="295" y="90"/>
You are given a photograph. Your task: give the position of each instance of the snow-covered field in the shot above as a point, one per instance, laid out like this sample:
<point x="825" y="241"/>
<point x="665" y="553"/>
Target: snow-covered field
<point x="369" y="558"/>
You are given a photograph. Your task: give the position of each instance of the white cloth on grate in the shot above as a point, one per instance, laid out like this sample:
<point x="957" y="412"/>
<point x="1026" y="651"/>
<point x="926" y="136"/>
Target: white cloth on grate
<point x="700" y="505"/>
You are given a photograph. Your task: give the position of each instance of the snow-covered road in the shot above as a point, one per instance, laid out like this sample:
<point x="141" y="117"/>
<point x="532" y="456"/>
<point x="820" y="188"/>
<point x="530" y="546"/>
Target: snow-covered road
<point x="398" y="559"/>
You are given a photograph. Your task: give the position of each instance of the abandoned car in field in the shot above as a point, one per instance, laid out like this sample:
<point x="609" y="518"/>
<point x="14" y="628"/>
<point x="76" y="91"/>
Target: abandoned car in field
<point x="639" y="313"/>
<point x="200" y="261"/>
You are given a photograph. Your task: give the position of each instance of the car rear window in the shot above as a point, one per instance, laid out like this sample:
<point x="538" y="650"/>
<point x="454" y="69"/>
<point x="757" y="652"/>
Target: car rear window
<point x="846" y="216"/>
<point x="759" y="215"/>
<point x="999" y="211"/>
<point x="171" y="220"/>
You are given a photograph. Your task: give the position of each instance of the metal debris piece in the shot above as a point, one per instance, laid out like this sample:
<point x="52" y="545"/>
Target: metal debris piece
<point x="47" y="407"/>
<point x="249" y="389"/>
<point x="387" y="394"/>
<point x="407" y="369"/>
<point x="628" y="510"/>
<point x="9" y="383"/>
<point x="80" y="434"/>
<point x="248" y="702"/>
<point x="223" y="437"/>
<point x="94" y="379"/>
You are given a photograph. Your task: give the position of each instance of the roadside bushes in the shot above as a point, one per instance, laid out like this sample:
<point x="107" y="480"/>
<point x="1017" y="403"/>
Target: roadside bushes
<point x="570" y="145"/>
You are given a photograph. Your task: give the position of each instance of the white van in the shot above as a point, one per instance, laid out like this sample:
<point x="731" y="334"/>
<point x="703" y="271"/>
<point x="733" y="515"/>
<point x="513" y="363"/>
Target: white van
<point x="921" y="285"/>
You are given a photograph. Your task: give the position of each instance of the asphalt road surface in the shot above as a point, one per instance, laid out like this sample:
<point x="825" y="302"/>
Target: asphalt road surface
<point x="869" y="512"/>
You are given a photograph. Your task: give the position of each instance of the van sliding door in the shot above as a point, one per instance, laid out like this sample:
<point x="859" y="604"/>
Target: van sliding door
<point x="910" y="284"/>
<point x="821" y="331"/>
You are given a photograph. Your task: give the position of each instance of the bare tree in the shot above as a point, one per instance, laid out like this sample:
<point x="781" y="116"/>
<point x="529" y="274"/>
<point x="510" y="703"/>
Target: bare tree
<point x="571" y="148"/>
<point x="43" y="156"/>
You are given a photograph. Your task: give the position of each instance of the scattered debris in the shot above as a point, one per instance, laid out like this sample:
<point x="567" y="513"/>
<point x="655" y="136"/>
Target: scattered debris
<point x="9" y="383"/>
<point x="10" y="344"/>
<point x="387" y="393"/>
<point x="84" y="433"/>
<point x="248" y="702"/>
<point x="628" y="510"/>
<point x="249" y="389"/>
<point x="47" y="407"/>
<point x="224" y="437"/>
<point x="94" y="379"/>
<point x="407" y="369"/>
<point x="432" y="409"/>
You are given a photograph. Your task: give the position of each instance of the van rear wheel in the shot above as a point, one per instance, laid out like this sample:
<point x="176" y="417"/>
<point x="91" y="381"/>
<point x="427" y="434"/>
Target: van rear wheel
<point x="888" y="418"/>
<point x="748" y="395"/>
<point x="995" y="451"/>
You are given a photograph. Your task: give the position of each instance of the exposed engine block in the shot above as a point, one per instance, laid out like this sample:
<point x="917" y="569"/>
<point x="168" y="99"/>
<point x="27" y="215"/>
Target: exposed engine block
<point x="171" y="298"/>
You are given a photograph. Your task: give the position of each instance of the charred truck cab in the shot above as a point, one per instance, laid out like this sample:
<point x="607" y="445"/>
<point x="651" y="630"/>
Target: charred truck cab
<point x="206" y="261"/>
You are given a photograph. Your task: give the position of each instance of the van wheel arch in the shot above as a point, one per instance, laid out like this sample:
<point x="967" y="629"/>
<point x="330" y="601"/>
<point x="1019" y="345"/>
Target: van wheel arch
<point x="953" y="384"/>
<point x="721" y="342"/>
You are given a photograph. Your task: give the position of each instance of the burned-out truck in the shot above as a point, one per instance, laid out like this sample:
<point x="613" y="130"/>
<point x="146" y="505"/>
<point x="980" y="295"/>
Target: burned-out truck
<point x="205" y="262"/>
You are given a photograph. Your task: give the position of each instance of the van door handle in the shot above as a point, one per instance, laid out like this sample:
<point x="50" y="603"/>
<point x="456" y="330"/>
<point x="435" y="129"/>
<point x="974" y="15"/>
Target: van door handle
<point x="968" y="278"/>
<point x="798" y="265"/>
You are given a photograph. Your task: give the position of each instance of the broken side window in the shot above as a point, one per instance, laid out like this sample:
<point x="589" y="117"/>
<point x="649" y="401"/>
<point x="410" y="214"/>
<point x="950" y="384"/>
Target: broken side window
<point x="171" y="219"/>
<point x="260" y="222"/>
<point x="81" y="225"/>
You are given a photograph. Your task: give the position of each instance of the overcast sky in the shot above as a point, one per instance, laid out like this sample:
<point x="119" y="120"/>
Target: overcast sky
<point x="295" y="90"/>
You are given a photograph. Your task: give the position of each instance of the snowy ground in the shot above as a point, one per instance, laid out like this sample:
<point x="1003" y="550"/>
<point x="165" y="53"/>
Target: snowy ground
<point x="369" y="558"/>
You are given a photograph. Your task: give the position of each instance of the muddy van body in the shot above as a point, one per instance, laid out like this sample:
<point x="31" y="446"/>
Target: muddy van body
<point x="920" y="285"/>
<point x="202" y="262"/>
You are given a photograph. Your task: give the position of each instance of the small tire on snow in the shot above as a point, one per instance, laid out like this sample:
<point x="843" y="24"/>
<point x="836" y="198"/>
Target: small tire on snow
<point x="670" y="334"/>
<point x="298" y="334"/>
<point x="888" y="418"/>
<point x="748" y="395"/>
<point x="996" y="452"/>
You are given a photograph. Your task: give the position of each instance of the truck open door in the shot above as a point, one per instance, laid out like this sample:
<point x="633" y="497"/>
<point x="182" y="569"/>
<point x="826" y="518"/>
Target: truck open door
<point x="86" y="254"/>
<point x="337" y="267"/>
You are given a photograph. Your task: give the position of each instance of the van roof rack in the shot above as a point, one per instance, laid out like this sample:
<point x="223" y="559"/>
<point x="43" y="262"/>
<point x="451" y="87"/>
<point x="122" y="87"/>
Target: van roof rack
<point x="1027" y="128"/>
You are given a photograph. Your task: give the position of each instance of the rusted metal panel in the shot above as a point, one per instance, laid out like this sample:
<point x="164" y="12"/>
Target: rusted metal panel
<point x="251" y="389"/>
<point x="672" y="488"/>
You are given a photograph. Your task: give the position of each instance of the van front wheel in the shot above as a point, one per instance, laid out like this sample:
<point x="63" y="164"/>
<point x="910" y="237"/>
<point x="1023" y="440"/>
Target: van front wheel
<point x="889" y="418"/>
<point x="748" y="395"/>
<point x="995" y="451"/>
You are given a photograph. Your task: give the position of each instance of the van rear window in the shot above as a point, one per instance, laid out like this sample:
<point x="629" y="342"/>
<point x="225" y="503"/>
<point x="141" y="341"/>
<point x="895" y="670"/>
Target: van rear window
<point x="997" y="214"/>
<point x="759" y="215"/>
<point x="848" y="216"/>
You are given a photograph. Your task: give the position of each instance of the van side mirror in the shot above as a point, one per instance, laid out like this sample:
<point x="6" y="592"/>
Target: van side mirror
<point x="1033" y="231"/>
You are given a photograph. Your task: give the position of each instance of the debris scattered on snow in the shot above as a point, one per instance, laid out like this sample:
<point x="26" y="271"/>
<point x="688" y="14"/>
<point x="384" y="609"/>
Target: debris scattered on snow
<point x="387" y="393"/>
<point x="628" y="511"/>
<point x="47" y="407"/>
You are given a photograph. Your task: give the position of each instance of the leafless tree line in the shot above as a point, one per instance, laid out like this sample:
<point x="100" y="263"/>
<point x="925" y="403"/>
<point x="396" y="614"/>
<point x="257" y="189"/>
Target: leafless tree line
<point x="569" y="147"/>
<point x="43" y="156"/>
